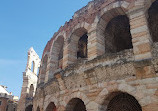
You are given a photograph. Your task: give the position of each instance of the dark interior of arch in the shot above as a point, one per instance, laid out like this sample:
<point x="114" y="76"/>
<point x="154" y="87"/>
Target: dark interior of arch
<point x="153" y="21"/>
<point x="117" y="34"/>
<point x="44" y="64"/>
<point x="51" y="107"/>
<point x="82" y="46"/>
<point x="29" y="108"/>
<point x="124" y="102"/>
<point x="61" y="52"/>
<point x="38" y="109"/>
<point x="60" y="42"/>
<point x="76" y="104"/>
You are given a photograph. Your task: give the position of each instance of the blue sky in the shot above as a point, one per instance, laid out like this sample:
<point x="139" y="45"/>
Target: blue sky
<point x="26" y="23"/>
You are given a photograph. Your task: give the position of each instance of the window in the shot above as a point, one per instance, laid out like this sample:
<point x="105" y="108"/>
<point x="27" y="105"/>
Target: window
<point x="0" y="102"/>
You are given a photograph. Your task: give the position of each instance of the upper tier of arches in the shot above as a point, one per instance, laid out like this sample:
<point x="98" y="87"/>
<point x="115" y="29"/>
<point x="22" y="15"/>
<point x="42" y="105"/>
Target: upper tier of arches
<point x="99" y="28"/>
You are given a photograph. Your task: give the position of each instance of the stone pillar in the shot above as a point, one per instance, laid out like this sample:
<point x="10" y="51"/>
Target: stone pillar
<point x="92" y="106"/>
<point x="141" y="40"/>
<point x="96" y="43"/>
<point x="65" y="54"/>
<point x="61" y="82"/>
<point x="51" y="67"/>
<point x="41" y="77"/>
<point x="48" y="66"/>
<point x="70" y="52"/>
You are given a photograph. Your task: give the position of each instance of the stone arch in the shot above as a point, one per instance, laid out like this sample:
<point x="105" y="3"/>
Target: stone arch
<point x="49" y="100"/>
<point x="71" y="46"/>
<point x="120" y="7"/>
<point x="114" y="38"/>
<point x="78" y="95"/>
<point x="120" y="101"/>
<point x="152" y="20"/>
<point x="29" y="108"/>
<point x="56" y="54"/>
<point x="78" y="43"/>
<point x="75" y="104"/>
<point x="84" y="25"/>
<point x="43" y="69"/>
<point x="80" y="36"/>
<point x="116" y="89"/>
<point x="51" y="107"/>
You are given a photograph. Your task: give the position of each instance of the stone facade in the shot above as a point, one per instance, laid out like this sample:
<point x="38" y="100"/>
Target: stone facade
<point x="29" y="80"/>
<point x="3" y="105"/>
<point x="8" y="102"/>
<point x="120" y="71"/>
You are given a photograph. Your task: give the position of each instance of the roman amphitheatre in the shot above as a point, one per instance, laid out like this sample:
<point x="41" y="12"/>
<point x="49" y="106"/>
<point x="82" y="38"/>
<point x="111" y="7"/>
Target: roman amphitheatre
<point x="103" y="59"/>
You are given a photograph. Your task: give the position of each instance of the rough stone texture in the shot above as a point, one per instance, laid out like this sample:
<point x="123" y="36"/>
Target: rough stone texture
<point x="103" y="75"/>
<point x="29" y="80"/>
<point x="8" y="102"/>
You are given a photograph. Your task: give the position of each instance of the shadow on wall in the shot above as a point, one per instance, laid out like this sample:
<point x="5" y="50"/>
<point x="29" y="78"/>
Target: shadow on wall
<point x="29" y="108"/>
<point x="153" y="21"/>
<point x="51" y="107"/>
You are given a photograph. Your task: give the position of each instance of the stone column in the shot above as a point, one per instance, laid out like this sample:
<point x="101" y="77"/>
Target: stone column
<point x="51" y="67"/>
<point x="141" y="40"/>
<point x="60" y="81"/>
<point x="70" y="52"/>
<point x="47" y="70"/>
<point x="96" y="43"/>
<point x="92" y="106"/>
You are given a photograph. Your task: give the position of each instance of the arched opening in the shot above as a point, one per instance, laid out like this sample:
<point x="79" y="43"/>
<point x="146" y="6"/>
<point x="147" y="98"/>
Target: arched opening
<point x="76" y="104"/>
<point x="119" y="101"/>
<point x="29" y="108"/>
<point x="153" y="20"/>
<point x="82" y="46"/>
<point x="117" y="34"/>
<point x="78" y="44"/>
<point x="113" y="31"/>
<point x="33" y="67"/>
<point x="43" y="69"/>
<point x="51" y="107"/>
<point x="57" y="53"/>
<point x="38" y="109"/>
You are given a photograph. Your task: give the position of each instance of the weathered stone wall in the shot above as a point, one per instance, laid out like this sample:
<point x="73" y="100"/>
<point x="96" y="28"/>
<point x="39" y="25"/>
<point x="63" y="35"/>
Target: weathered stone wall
<point x="4" y="103"/>
<point x="93" y="80"/>
<point x="93" y="19"/>
<point x="29" y="80"/>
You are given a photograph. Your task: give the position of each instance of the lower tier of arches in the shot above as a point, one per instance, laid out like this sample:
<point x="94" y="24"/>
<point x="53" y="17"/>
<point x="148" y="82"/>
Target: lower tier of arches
<point x="129" y="94"/>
